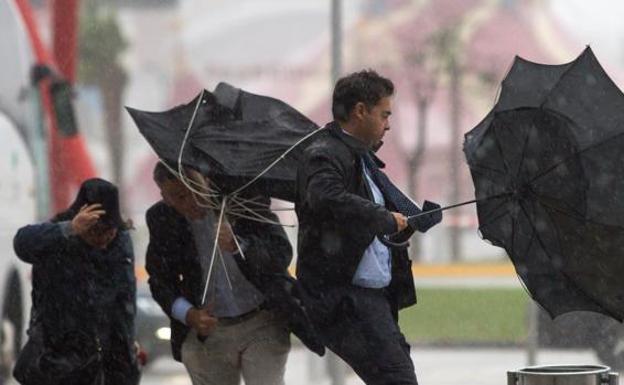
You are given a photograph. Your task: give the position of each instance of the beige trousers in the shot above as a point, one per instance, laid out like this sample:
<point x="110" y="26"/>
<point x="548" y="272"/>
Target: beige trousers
<point x="255" y="349"/>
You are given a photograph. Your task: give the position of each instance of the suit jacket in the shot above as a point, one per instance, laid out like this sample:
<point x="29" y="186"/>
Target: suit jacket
<point x="338" y="219"/>
<point x="174" y="268"/>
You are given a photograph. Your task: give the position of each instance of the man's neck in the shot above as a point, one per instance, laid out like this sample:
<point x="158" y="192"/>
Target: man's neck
<point x="350" y="130"/>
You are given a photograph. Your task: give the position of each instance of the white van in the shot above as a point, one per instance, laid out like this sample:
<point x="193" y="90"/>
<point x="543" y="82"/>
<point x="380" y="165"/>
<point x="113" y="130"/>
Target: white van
<point x="17" y="208"/>
<point x="19" y="123"/>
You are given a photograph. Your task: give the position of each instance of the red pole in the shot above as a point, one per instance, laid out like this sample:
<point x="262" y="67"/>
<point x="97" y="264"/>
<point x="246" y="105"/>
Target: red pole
<point x="64" y="43"/>
<point x="43" y="58"/>
<point x="70" y="161"/>
<point x="64" y="52"/>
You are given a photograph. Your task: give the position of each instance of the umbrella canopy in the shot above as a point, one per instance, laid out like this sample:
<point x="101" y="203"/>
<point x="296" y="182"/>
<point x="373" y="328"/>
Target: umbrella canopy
<point x="241" y="140"/>
<point x="249" y="146"/>
<point x="548" y="169"/>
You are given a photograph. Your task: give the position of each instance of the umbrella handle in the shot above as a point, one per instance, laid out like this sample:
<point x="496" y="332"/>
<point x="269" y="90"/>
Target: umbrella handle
<point x="394" y="245"/>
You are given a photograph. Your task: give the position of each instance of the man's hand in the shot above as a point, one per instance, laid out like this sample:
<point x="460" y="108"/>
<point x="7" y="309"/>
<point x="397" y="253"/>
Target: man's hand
<point x="226" y="238"/>
<point x="401" y="221"/>
<point x="201" y="320"/>
<point x="86" y="218"/>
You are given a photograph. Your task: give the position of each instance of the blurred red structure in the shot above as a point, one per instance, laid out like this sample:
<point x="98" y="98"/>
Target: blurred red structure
<point x="69" y="161"/>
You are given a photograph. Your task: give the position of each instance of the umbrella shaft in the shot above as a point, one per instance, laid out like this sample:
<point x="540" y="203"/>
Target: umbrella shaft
<point x="458" y="205"/>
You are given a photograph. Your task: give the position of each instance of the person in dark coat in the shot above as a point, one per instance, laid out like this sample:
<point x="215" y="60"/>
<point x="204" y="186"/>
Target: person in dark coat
<point x="82" y="328"/>
<point x="354" y="284"/>
<point x="242" y="329"/>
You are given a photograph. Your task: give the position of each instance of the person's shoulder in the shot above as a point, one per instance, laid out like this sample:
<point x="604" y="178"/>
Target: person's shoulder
<point x="157" y="207"/>
<point x="125" y="240"/>
<point x="326" y="144"/>
<point x="159" y="210"/>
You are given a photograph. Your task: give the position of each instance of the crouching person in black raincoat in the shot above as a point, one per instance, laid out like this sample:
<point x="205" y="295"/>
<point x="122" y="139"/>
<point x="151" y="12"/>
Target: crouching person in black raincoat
<point x="83" y="298"/>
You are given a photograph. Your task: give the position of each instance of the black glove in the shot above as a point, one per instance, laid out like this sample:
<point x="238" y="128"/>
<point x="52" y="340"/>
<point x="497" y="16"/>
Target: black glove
<point x="423" y="223"/>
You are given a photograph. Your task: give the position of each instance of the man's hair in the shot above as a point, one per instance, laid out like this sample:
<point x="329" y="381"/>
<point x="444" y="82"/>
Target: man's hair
<point x="366" y="86"/>
<point x="162" y="173"/>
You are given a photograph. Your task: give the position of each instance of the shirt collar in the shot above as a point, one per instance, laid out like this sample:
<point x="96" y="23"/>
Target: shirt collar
<point x="354" y="143"/>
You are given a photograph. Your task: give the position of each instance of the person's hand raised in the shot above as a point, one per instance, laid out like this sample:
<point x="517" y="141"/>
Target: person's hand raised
<point x="86" y="218"/>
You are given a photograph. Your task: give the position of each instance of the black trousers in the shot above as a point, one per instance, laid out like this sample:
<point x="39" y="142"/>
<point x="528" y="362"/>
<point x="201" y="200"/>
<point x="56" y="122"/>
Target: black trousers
<point x="360" y="326"/>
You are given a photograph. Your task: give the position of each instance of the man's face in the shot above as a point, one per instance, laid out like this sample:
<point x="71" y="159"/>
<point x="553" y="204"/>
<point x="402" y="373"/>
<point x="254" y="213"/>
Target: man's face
<point x="178" y="196"/>
<point x="375" y="121"/>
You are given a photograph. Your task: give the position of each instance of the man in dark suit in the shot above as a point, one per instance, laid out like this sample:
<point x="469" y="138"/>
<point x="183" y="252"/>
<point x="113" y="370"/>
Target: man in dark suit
<point x="355" y="284"/>
<point x="235" y="333"/>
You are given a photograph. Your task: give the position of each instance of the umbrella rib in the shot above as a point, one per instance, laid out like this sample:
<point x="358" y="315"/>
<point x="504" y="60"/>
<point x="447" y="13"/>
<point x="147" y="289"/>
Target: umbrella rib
<point x="541" y="242"/>
<point x="524" y="148"/>
<point x="211" y="193"/>
<point x="500" y="150"/>
<point x="529" y="245"/>
<point x="268" y="206"/>
<point x="495" y="219"/>
<point x="535" y="232"/>
<point x="238" y="246"/>
<point x="572" y="213"/>
<point x="535" y="235"/>
<point x="269" y="167"/>
<point x="492" y="211"/>
<point x="563" y="273"/>
<point x="264" y="209"/>
<point x="227" y="275"/>
<point x="554" y="166"/>
<point x="251" y="201"/>
<point x="242" y="205"/>
<point x="241" y="209"/>
<point x="214" y="249"/>
<point x="263" y="206"/>
<point x="486" y="168"/>
<point x="186" y="135"/>
<point x="252" y="212"/>
<point x="578" y="216"/>
<point x="259" y="210"/>
<point x="524" y="286"/>
<point x="553" y="222"/>
<point x="260" y="220"/>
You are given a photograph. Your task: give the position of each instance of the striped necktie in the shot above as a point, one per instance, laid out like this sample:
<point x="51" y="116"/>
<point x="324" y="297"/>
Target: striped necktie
<point x="391" y="193"/>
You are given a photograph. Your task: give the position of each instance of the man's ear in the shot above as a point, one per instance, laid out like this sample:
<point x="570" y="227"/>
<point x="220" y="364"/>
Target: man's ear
<point x="165" y="199"/>
<point x="359" y="110"/>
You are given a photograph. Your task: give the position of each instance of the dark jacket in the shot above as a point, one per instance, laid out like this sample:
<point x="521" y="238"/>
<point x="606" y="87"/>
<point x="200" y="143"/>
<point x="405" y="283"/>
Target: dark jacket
<point x="83" y="309"/>
<point x="338" y="218"/>
<point x="174" y="268"/>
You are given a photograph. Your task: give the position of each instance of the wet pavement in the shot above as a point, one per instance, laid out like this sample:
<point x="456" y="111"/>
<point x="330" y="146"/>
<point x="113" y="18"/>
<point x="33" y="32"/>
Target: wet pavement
<point x="434" y="366"/>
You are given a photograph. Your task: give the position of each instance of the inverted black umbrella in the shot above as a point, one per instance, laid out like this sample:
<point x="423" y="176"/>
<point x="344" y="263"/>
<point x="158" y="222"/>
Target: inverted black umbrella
<point x="249" y="146"/>
<point x="548" y="168"/>
<point x="244" y="142"/>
